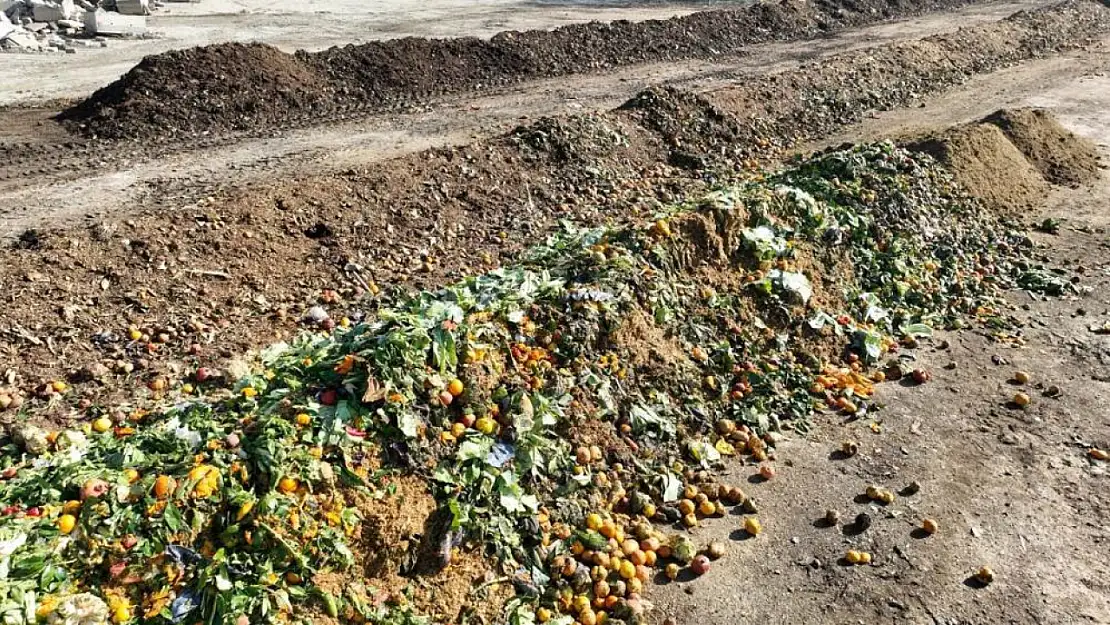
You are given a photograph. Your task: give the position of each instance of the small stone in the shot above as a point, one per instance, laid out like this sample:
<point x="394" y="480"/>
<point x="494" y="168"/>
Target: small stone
<point x="316" y="315"/>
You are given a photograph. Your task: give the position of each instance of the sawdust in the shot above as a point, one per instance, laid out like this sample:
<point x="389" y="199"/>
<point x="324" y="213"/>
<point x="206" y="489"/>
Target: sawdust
<point x="988" y="166"/>
<point x="1062" y="157"/>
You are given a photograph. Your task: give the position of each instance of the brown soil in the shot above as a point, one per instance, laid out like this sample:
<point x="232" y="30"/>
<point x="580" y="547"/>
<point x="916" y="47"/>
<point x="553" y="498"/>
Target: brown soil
<point x="205" y="284"/>
<point x="1011" y="158"/>
<point x="399" y="540"/>
<point x="235" y="86"/>
<point x="991" y="168"/>
<point x="1061" y="157"/>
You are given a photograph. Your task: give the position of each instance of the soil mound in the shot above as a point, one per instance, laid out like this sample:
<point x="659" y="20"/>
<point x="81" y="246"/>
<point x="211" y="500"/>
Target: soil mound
<point x="245" y="87"/>
<point x="987" y="165"/>
<point x="213" y="86"/>
<point x="1062" y="157"/>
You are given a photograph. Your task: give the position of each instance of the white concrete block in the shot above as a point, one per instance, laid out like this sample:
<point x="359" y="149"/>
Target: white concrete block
<point x="6" y="26"/>
<point x="133" y="7"/>
<point x="51" y="11"/>
<point x="101" y="22"/>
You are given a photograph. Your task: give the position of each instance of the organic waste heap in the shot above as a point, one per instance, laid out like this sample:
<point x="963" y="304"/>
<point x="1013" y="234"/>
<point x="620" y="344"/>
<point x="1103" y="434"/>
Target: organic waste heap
<point x="563" y="416"/>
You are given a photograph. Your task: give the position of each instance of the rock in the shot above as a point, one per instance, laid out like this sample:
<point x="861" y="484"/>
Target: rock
<point x="51" y="10"/>
<point x="6" y="27"/>
<point x="133" y="7"/>
<point x="316" y="315"/>
<point x="101" y="22"/>
<point x="70" y="24"/>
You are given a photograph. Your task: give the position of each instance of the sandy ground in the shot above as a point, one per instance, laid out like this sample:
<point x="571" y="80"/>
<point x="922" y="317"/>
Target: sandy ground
<point x="1010" y="489"/>
<point x="58" y="193"/>
<point x="306" y="25"/>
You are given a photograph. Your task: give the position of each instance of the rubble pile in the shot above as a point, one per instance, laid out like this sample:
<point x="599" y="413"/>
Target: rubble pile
<point x="66" y="25"/>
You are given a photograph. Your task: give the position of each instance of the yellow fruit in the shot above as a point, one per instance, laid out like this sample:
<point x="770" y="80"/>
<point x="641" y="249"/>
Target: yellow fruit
<point x="287" y="485"/>
<point x="102" y="425"/>
<point x="984" y="575"/>
<point x="864" y="557"/>
<point x="121" y="614"/>
<point x="686" y="507"/>
<point x="1021" y="377"/>
<point x="302" y="419"/>
<point x="244" y="510"/>
<point x="671" y="571"/>
<point x="66" y="523"/>
<point x="131" y="475"/>
<point x="581" y="603"/>
<point x="458" y="430"/>
<point x="593" y="521"/>
<point x="485" y="425"/>
<point x="753" y="526"/>
<point x="249" y="391"/>
<point x="707" y="508"/>
<point x="543" y="615"/>
<point x="455" y="387"/>
<point x="853" y="556"/>
<point x="690" y="520"/>
<point x="628" y="570"/>
<point x="1021" y="400"/>
<point x="929" y="526"/>
<point x="59" y="386"/>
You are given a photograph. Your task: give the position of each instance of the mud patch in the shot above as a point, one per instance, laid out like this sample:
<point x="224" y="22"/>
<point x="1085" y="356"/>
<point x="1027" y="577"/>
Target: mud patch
<point x="988" y="166"/>
<point x="1062" y="157"/>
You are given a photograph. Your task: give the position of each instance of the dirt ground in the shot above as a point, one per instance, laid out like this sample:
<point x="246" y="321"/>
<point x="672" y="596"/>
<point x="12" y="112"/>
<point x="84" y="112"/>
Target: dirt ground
<point x="1011" y="489"/>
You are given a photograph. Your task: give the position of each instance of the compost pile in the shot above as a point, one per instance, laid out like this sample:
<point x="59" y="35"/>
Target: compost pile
<point x="257" y="87"/>
<point x="563" y="416"/>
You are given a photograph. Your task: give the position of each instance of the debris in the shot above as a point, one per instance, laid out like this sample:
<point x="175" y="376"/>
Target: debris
<point x="985" y="575"/>
<point x="101" y="22"/>
<point x="52" y="10"/>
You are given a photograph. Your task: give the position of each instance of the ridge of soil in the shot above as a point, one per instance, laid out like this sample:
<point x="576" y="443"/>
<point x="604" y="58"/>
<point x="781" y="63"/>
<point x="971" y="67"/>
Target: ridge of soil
<point x="251" y="86"/>
<point x="987" y="165"/>
<point x="204" y="285"/>
<point x="1062" y="157"/>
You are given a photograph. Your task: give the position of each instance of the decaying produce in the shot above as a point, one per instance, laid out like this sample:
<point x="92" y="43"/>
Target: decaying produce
<point x="564" y="416"/>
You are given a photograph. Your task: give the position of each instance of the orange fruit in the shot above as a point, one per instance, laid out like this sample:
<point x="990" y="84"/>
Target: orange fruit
<point x="455" y="387"/>
<point x="287" y="485"/>
<point x="164" y="486"/>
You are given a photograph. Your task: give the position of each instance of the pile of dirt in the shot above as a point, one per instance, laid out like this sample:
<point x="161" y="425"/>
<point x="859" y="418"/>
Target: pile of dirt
<point x="250" y="87"/>
<point x="985" y="163"/>
<point x="1009" y="159"/>
<point x="204" y="284"/>
<point x="203" y="88"/>
<point x="1060" y="156"/>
